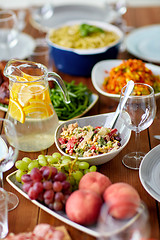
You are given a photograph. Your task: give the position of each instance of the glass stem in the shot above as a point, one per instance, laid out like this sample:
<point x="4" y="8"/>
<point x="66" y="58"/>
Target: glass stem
<point x="1" y="179"/>
<point x="137" y="143"/>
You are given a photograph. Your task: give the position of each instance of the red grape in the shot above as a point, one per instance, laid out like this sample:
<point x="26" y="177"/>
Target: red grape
<point x="54" y="172"/>
<point x="60" y="176"/>
<point x="26" y="178"/>
<point x="50" y="205"/>
<point x="57" y="186"/>
<point x="59" y="196"/>
<point x="42" y="169"/>
<point x="26" y="186"/>
<point x="38" y="187"/>
<point x="36" y="175"/>
<point x="58" y="206"/>
<point x="40" y="197"/>
<point x="66" y="196"/>
<point x="47" y="185"/>
<point x="66" y="185"/>
<point x="47" y="173"/>
<point x="48" y="201"/>
<point x="49" y="194"/>
<point x="32" y="193"/>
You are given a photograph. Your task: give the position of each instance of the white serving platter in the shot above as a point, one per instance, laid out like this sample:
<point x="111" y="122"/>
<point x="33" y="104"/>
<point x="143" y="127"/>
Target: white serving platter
<point x="92" y="230"/>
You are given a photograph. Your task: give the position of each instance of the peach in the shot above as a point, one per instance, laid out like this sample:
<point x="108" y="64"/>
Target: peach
<point x="95" y="181"/>
<point x="122" y="200"/>
<point x="83" y="207"/>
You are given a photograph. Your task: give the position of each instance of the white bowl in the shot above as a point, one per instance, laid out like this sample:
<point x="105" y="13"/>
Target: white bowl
<point x="96" y="120"/>
<point x="101" y="70"/>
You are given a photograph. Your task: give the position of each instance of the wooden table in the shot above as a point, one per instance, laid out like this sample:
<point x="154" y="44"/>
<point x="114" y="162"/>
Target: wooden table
<point x="27" y="215"/>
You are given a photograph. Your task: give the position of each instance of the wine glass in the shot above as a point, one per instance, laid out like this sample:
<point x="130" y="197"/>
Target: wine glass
<point x="137" y="227"/>
<point x="8" y="155"/>
<point x="138" y="114"/>
<point x="8" y="32"/>
<point x="3" y="213"/>
<point x="120" y="8"/>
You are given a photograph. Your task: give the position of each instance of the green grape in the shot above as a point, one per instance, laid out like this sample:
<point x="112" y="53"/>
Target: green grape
<point x="52" y="159"/>
<point x="56" y="155"/>
<point x="93" y="168"/>
<point x="71" y="180"/>
<point x="66" y="161"/>
<point x="77" y="182"/>
<point x="33" y="164"/>
<point x="19" y="174"/>
<point x="75" y="166"/>
<point x="66" y="158"/>
<point x="83" y="165"/>
<point x="63" y="170"/>
<point x="21" y="165"/>
<point x="86" y="171"/>
<point x="42" y="160"/>
<point x="66" y="167"/>
<point x="77" y="175"/>
<point x="26" y="159"/>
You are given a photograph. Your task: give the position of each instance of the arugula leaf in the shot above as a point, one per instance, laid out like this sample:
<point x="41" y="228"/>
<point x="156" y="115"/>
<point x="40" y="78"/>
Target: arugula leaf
<point x="86" y="29"/>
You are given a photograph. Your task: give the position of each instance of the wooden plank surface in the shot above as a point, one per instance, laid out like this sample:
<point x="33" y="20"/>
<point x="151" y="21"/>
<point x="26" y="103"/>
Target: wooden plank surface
<point x="27" y="215"/>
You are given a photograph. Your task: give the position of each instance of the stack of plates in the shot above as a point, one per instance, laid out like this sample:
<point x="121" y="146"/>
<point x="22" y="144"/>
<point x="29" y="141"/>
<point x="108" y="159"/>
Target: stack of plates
<point x="144" y="43"/>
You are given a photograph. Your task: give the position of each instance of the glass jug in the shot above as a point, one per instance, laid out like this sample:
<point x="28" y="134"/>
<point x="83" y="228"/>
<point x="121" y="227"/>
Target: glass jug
<point x="30" y="107"/>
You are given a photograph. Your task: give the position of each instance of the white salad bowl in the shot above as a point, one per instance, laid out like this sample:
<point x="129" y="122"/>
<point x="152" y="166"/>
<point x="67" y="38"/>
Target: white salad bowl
<point x="96" y="120"/>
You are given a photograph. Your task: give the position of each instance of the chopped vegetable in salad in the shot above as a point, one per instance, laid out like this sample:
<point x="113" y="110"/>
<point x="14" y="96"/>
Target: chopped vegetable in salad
<point x="88" y="141"/>
<point x="131" y="69"/>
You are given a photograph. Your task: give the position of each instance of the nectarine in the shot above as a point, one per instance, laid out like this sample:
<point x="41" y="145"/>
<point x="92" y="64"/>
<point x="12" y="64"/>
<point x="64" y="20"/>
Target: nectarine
<point x="83" y="207"/>
<point x="122" y="200"/>
<point x="95" y="181"/>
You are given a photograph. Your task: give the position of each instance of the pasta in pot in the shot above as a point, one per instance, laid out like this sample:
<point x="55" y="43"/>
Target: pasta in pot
<point x="70" y="37"/>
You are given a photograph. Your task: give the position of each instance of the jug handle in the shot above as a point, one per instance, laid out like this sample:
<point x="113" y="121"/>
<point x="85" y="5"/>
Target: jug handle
<point x="52" y="76"/>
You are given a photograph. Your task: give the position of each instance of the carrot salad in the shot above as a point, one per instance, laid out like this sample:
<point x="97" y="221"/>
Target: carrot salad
<point x="131" y="69"/>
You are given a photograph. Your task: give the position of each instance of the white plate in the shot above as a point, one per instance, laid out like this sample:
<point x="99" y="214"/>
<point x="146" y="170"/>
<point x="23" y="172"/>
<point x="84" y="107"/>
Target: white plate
<point x="22" y="49"/>
<point x="67" y="12"/>
<point x="11" y="179"/>
<point x="149" y="172"/>
<point x="144" y="43"/>
<point x="99" y="73"/>
<point x="93" y="99"/>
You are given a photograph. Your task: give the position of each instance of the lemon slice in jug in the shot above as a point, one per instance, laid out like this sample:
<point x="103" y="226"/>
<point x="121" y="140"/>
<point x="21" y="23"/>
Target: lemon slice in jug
<point x="37" y="109"/>
<point x="28" y="92"/>
<point x="16" y="111"/>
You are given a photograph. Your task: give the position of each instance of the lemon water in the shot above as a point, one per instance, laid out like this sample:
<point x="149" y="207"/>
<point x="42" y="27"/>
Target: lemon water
<point x="35" y="134"/>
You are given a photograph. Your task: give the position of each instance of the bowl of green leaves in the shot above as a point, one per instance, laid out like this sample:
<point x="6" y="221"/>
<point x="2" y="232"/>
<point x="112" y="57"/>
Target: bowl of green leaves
<point x="82" y="100"/>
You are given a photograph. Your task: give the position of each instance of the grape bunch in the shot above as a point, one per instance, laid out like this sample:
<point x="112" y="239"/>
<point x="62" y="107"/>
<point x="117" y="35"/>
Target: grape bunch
<point x="48" y="186"/>
<point x="73" y="169"/>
